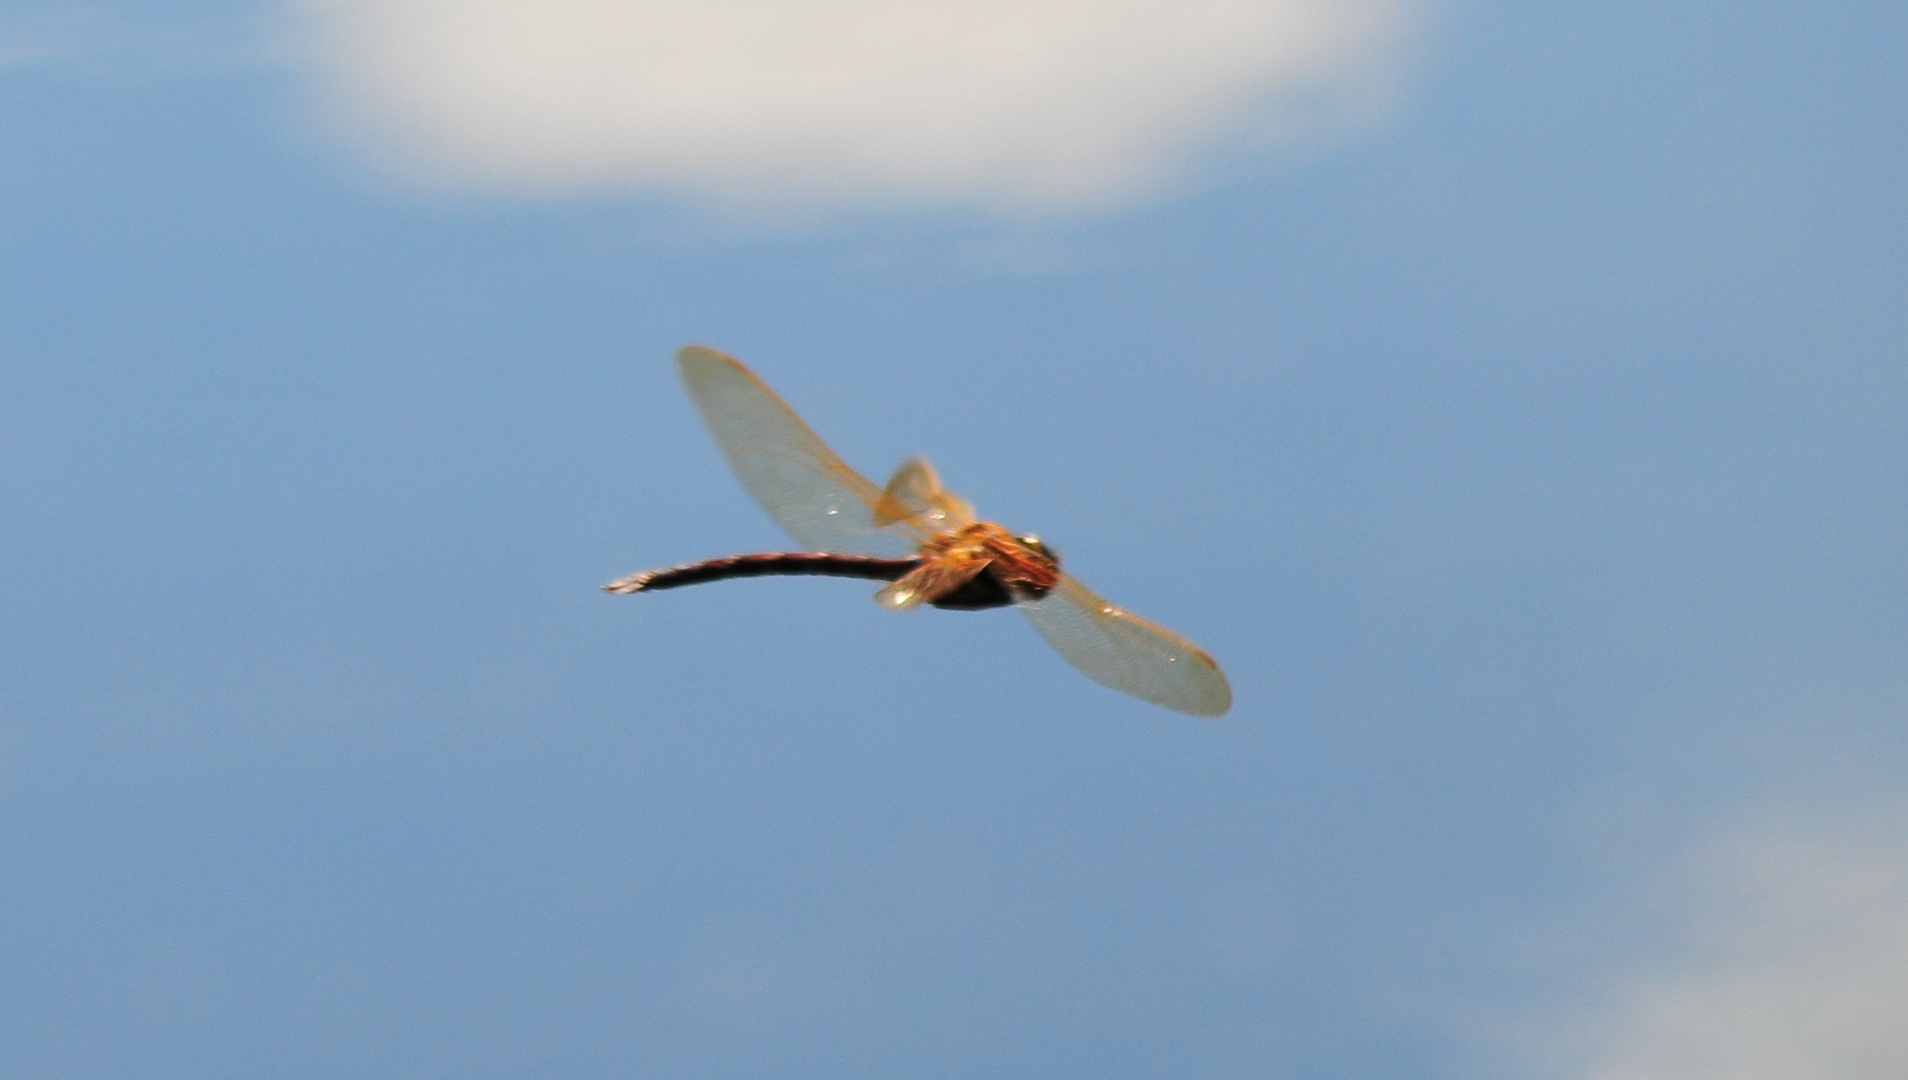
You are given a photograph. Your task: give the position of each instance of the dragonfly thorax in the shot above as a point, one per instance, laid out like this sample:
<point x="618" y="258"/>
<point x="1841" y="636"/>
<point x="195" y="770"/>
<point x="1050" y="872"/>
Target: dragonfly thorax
<point x="977" y="566"/>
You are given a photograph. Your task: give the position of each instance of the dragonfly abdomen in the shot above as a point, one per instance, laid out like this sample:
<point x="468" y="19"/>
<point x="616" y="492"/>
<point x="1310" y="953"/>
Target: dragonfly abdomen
<point x="766" y="564"/>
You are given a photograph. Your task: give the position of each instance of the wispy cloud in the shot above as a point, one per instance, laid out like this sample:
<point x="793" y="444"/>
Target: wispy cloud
<point x="1026" y="104"/>
<point x="1787" y="957"/>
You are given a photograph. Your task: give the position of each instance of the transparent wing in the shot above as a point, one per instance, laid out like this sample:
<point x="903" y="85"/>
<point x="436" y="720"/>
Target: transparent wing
<point x="1119" y="649"/>
<point x="915" y="492"/>
<point x="811" y="493"/>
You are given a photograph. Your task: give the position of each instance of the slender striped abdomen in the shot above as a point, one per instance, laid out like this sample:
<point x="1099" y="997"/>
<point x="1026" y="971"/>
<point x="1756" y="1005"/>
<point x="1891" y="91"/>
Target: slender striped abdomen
<point x="766" y="564"/>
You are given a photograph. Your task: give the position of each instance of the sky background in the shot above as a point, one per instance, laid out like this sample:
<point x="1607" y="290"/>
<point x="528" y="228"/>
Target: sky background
<point x="1510" y="396"/>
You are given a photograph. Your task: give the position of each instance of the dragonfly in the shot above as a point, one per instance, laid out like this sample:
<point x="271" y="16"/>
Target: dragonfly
<point x="925" y="542"/>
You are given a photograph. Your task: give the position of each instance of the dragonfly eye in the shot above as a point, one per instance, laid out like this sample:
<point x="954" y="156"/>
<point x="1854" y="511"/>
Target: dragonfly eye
<point x="1034" y="542"/>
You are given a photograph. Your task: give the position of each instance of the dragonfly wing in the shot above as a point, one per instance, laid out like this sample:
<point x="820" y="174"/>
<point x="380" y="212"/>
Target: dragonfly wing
<point x="811" y="493"/>
<point x="915" y="493"/>
<point x="1119" y="649"/>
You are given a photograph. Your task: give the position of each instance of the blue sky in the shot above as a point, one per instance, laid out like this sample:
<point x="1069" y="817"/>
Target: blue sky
<point x="1509" y="396"/>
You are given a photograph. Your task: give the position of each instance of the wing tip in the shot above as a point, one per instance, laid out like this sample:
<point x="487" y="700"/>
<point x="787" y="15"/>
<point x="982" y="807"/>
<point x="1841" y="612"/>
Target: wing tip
<point x="1211" y="710"/>
<point x="1202" y="702"/>
<point x="1217" y="701"/>
<point x="693" y="353"/>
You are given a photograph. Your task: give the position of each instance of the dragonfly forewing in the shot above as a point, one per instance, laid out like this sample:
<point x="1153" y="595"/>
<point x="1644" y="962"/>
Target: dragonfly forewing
<point x="809" y="491"/>
<point x="1117" y="648"/>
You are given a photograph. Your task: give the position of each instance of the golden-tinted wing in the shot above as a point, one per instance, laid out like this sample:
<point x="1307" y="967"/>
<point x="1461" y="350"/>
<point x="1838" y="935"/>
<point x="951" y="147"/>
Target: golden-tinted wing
<point x="1119" y="649"/>
<point x="915" y="492"/>
<point x="811" y="493"/>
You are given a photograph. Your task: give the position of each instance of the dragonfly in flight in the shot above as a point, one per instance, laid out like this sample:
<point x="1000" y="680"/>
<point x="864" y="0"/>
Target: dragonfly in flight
<point x="920" y="538"/>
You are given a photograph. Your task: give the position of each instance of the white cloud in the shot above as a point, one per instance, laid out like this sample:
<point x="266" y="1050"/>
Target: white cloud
<point x="999" y="103"/>
<point x="1790" y="961"/>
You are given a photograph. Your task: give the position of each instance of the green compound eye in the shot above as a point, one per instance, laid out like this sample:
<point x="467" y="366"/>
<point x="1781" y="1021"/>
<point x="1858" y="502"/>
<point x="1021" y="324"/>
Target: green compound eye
<point x="1035" y="543"/>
